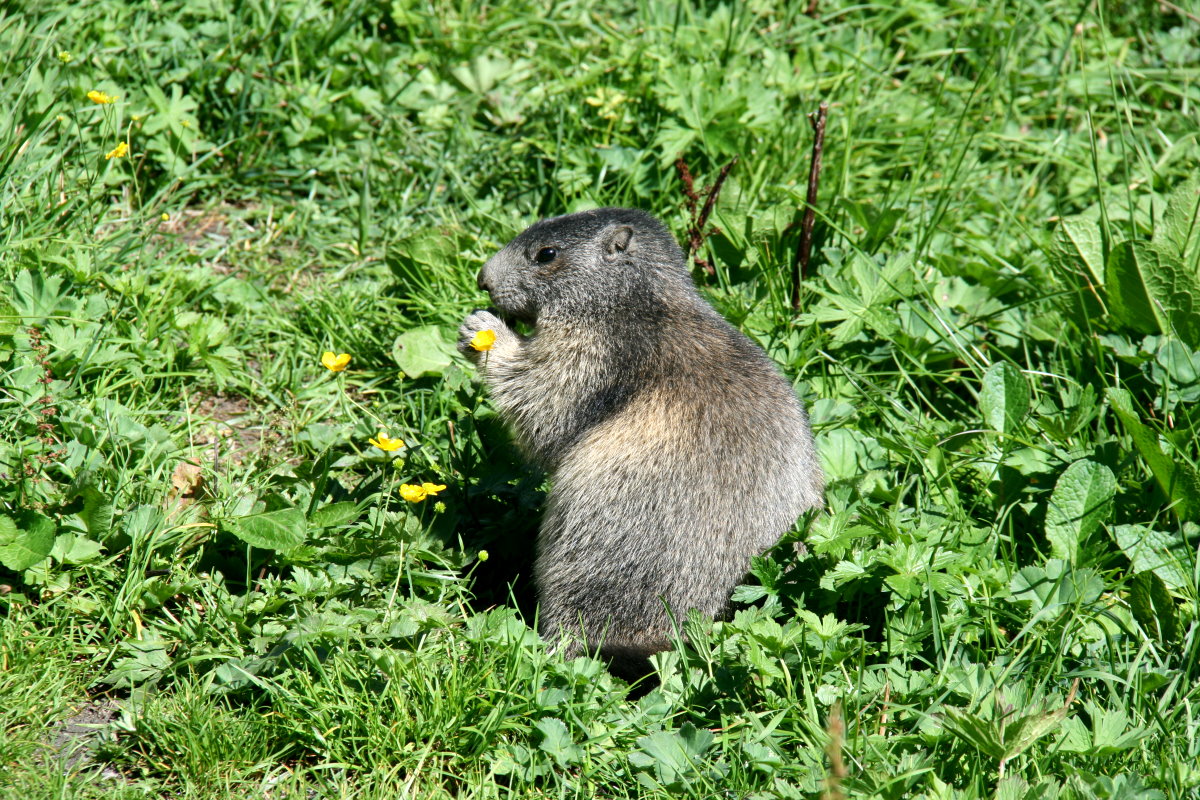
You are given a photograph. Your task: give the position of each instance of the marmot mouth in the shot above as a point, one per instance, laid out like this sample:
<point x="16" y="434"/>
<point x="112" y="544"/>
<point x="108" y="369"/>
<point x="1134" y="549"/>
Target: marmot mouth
<point x="511" y="318"/>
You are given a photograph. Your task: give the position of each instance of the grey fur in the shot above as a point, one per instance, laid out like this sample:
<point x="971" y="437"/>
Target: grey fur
<point x="676" y="449"/>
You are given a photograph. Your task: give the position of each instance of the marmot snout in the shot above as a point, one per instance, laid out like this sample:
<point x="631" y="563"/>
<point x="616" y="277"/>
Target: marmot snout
<point x="676" y="449"/>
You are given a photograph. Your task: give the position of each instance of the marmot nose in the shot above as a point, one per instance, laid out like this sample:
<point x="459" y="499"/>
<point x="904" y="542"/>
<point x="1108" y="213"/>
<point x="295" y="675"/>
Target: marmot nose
<point x="483" y="284"/>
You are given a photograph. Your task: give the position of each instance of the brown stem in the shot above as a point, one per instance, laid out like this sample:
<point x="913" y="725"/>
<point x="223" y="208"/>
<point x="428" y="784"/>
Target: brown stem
<point x="697" y="232"/>
<point x="836" y="730"/>
<point x="804" y="249"/>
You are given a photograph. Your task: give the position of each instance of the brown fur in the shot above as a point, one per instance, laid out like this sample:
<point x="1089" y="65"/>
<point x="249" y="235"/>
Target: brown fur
<point x="676" y="449"/>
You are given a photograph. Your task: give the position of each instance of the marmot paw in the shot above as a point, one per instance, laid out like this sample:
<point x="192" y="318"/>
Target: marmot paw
<point x="476" y="323"/>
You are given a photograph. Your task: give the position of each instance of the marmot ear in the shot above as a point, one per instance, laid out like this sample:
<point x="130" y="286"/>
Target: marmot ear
<point x="617" y="240"/>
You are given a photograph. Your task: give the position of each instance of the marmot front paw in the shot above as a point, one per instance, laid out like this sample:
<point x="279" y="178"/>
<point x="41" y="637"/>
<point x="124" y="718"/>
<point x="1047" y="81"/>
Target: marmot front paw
<point x="477" y="322"/>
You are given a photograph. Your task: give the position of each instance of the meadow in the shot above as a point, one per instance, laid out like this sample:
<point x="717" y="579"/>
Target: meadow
<point x="212" y="584"/>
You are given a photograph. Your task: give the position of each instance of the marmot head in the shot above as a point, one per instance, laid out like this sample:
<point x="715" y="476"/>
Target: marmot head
<point x="581" y="264"/>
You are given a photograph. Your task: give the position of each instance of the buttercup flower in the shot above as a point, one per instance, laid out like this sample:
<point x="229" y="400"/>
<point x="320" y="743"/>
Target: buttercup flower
<point x="99" y="97"/>
<point x="483" y="341"/>
<point x="607" y="100"/>
<point x="65" y="57"/>
<point x="483" y="555"/>
<point x="335" y="363"/>
<point x="166" y="217"/>
<point x="386" y="443"/>
<point x="415" y="494"/>
<point x="118" y="152"/>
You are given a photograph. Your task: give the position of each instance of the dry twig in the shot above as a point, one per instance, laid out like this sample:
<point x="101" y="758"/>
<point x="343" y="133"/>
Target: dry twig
<point x="698" y="229"/>
<point x="804" y="249"/>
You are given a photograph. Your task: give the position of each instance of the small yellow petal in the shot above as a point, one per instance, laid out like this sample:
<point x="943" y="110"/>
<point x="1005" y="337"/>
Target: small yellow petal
<point x="118" y="152"/>
<point x="166" y="217"/>
<point x="101" y="98"/>
<point x="432" y="488"/>
<point x="335" y="363"/>
<point x="386" y="443"/>
<point x="484" y="340"/>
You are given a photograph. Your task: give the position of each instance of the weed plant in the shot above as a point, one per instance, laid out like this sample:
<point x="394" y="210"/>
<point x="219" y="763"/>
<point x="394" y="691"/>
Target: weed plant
<point x="214" y="585"/>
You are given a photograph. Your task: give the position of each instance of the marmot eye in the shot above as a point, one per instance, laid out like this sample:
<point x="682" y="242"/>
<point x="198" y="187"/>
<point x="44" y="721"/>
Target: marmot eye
<point x="546" y="255"/>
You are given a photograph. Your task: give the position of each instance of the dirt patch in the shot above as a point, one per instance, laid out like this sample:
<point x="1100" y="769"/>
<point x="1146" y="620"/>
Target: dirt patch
<point x="215" y="231"/>
<point x="233" y="430"/>
<point x="74" y="740"/>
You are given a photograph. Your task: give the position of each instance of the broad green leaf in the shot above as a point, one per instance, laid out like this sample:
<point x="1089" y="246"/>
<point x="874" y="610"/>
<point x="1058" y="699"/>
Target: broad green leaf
<point x="673" y="756"/>
<point x="70" y="548"/>
<point x="25" y="541"/>
<point x="1125" y="291"/>
<point x="145" y="659"/>
<point x="1153" y="607"/>
<point x="1025" y="730"/>
<point x="1178" y="231"/>
<point x="271" y="530"/>
<point x="423" y="351"/>
<point x="1078" y="240"/>
<point x="1151" y="291"/>
<point x="1166" y="554"/>
<point x="97" y="513"/>
<point x="556" y="741"/>
<point x="334" y="514"/>
<point x="976" y="730"/>
<point x="1054" y="586"/>
<point x="1178" y="480"/>
<point x="1109" y="733"/>
<point x="1080" y="502"/>
<point x="1174" y="292"/>
<point x="1004" y="398"/>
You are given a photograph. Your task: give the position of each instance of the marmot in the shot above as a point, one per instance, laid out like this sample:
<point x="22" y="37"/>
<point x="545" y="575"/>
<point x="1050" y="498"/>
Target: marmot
<point x="676" y="449"/>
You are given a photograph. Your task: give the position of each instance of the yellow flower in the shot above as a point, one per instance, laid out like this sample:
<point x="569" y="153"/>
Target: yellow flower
<point x="483" y="341"/>
<point x="387" y="443"/>
<point x="607" y="100"/>
<point x="411" y="493"/>
<point x="99" y="97"/>
<point x="415" y="494"/>
<point x="166" y="217"/>
<point x="118" y="152"/>
<point x="64" y="57"/>
<point x="335" y="363"/>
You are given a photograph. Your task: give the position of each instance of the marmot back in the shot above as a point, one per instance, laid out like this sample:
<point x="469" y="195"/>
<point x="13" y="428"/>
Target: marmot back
<point x="676" y="449"/>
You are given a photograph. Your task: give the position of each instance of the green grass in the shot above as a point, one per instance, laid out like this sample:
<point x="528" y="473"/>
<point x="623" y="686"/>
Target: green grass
<point x="211" y="588"/>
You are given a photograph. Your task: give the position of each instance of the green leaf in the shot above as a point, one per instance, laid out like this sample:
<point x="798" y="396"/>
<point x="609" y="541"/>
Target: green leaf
<point x="1151" y="291"/>
<point x="1126" y="292"/>
<point x="1179" y="229"/>
<point x="1080" y="502"/>
<point x="1153" y="607"/>
<point x="673" y="756"/>
<point x="8" y="317"/>
<point x="272" y="530"/>
<point x="1163" y="553"/>
<point x="97" y="513"/>
<point x="1004" y="398"/>
<point x="333" y="515"/>
<point x="1178" y="480"/>
<point x="556" y="741"/>
<point x="145" y="659"/>
<point x="26" y="541"/>
<point x="72" y="549"/>
<point x="423" y="351"/>
<point x="1078" y="240"/>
